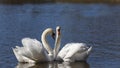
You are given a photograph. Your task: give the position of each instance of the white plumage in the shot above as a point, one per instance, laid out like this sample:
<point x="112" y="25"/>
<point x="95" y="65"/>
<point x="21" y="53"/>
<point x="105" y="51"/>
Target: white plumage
<point x="34" y="51"/>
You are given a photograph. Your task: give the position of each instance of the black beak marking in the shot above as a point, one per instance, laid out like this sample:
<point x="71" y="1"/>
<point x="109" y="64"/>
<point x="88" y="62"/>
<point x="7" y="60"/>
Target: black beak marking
<point x="53" y="36"/>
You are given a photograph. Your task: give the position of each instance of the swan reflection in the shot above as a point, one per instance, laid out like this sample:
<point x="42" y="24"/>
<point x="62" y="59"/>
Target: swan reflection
<point x="54" y="65"/>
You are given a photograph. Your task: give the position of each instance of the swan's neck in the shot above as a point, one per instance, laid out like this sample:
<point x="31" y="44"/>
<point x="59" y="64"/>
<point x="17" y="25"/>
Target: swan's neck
<point x="44" y="41"/>
<point x="57" y="44"/>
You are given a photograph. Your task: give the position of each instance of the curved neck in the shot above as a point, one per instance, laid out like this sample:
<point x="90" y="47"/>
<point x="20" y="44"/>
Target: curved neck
<point x="57" y="44"/>
<point x="44" y="41"/>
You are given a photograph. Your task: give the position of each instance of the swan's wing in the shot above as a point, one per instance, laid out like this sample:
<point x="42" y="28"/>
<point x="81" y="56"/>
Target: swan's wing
<point x="27" y="42"/>
<point x="20" y="53"/>
<point x="34" y="47"/>
<point x="18" y="56"/>
<point x="82" y="55"/>
<point x="72" y="50"/>
<point x="23" y="51"/>
<point x="63" y="51"/>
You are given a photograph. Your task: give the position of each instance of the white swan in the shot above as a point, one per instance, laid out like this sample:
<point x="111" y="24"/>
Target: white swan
<point x="72" y="51"/>
<point x="33" y="51"/>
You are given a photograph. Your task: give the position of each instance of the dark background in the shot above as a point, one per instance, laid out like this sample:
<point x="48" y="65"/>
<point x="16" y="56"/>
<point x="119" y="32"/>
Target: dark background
<point x="57" y="1"/>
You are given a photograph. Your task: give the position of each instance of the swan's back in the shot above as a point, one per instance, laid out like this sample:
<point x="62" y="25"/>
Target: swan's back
<point x="74" y="51"/>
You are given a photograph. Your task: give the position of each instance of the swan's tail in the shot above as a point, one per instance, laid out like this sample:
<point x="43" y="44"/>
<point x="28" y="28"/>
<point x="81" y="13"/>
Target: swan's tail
<point x="15" y="51"/>
<point x="89" y="50"/>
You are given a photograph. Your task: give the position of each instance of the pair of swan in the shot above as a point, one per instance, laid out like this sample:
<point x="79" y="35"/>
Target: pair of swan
<point x="34" y="51"/>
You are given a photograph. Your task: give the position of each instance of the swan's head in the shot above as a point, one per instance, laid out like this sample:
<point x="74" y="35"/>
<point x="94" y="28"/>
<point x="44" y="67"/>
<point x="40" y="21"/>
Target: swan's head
<point x="50" y="32"/>
<point x="58" y="28"/>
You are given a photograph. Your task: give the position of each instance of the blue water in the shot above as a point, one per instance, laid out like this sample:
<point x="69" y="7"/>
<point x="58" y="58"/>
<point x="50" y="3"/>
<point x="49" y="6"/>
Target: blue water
<point x="94" y="24"/>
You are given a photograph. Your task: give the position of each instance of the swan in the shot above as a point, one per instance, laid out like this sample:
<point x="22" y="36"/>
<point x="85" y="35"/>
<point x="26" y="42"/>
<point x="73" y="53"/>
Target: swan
<point x="34" y="51"/>
<point x="71" y="51"/>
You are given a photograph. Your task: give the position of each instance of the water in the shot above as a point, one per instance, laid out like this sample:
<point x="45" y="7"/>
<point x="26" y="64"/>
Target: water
<point x="54" y="65"/>
<point x="94" y="24"/>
